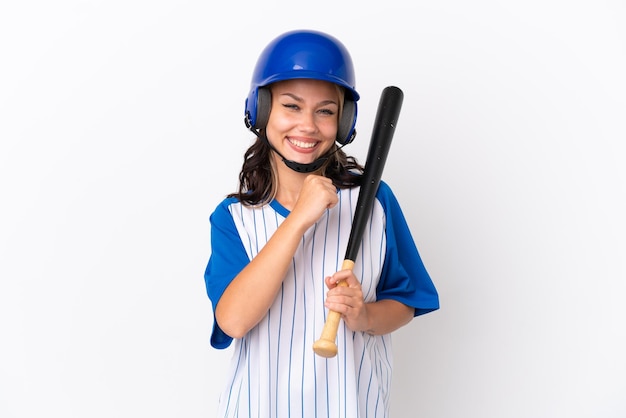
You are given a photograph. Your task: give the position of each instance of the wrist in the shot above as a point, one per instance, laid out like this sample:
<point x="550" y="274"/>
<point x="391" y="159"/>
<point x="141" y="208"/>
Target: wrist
<point x="369" y="320"/>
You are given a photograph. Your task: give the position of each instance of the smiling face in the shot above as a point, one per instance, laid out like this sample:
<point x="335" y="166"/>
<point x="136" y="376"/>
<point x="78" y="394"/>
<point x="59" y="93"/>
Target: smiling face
<point x="303" y="119"/>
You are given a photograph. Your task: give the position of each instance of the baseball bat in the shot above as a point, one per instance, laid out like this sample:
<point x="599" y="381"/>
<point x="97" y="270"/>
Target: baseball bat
<point x="382" y="133"/>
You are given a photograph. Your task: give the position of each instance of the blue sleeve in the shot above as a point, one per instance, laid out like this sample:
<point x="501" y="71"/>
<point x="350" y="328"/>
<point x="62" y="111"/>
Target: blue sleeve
<point x="404" y="277"/>
<point x="228" y="258"/>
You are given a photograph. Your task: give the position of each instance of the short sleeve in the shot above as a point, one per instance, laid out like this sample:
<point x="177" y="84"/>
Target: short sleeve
<point x="228" y="258"/>
<point x="404" y="277"/>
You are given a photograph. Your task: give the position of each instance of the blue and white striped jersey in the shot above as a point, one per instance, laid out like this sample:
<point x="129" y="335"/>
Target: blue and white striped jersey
<point x="274" y="371"/>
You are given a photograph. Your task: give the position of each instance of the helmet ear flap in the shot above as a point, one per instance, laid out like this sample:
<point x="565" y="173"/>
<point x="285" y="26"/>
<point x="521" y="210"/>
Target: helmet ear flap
<point x="263" y="107"/>
<point x="345" y="130"/>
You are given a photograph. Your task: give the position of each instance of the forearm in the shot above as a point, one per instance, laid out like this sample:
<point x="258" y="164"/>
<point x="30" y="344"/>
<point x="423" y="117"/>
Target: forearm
<point x="248" y="297"/>
<point x="386" y="316"/>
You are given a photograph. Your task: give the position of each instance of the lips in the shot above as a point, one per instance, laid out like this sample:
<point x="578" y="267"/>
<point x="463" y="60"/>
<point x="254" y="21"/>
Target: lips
<point x="304" y="145"/>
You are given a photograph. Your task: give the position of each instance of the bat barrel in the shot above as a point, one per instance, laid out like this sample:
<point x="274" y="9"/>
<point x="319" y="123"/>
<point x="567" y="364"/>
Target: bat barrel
<point x="387" y="115"/>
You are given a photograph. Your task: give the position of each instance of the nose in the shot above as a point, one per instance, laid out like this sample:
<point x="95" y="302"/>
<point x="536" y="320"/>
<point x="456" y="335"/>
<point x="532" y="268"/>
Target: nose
<point x="307" y="122"/>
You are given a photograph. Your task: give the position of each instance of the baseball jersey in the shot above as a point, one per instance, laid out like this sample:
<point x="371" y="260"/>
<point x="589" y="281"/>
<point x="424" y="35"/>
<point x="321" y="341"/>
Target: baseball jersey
<point x="274" y="371"/>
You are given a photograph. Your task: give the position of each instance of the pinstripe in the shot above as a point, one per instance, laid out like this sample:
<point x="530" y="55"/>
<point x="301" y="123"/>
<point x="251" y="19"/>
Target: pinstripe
<point x="369" y="387"/>
<point x="360" y="372"/>
<point x="273" y="406"/>
<point x="369" y="372"/>
<point x="280" y="316"/>
<point x="269" y="361"/>
<point x="293" y="314"/>
<point x="232" y="384"/>
<point x="325" y="361"/>
<point x="386" y="356"/>
<point x="312" y="279"/>
<point x="249" y="388"/>
<point x="368" y="290"/>
<point x="304" y="331"/>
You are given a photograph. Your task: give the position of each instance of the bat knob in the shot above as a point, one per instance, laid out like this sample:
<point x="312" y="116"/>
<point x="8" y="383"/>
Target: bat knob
<point x="325" y="348"/>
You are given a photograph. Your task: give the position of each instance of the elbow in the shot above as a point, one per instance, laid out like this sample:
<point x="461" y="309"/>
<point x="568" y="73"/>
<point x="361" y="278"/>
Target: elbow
<point x="233" y="332"/>
<point x="231" y="325"/>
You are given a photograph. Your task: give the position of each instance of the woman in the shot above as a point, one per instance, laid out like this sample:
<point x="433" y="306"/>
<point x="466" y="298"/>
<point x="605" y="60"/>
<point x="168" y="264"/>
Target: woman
<point x="287" y="227"/>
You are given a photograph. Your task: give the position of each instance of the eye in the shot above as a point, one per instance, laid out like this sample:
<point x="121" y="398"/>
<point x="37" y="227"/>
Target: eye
<point x="328" y="112"/>
<point x="291" y="106"/>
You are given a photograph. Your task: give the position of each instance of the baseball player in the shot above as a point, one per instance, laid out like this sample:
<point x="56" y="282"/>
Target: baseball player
<point x="277" y="246"/>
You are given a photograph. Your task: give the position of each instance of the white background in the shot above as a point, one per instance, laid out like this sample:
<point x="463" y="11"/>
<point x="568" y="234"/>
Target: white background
<point x="121" y="128"/>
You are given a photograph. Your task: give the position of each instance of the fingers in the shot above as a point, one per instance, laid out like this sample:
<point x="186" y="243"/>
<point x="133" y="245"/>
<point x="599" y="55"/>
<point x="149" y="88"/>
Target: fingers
<point x="316" y="196"/>
<point x="344" y="291"/>
<point x="323" y="189"/>
<point x="346" y="298"/>
<point x="342" y="278"/>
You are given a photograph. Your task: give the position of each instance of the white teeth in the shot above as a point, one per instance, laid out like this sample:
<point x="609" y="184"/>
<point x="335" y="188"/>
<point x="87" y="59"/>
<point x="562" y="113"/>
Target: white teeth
<point x="301" y="144"/>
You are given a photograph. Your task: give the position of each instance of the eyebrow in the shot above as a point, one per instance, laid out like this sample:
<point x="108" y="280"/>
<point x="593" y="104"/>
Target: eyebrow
<point x="299" y="99"/>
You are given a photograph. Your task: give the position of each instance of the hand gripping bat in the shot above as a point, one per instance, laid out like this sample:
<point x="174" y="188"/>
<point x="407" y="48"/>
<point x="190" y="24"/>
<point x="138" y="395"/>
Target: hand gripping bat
<point x="384" y="127"/>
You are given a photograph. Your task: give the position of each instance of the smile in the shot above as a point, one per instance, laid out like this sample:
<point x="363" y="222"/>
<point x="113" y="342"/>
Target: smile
<point x="301" y="144"/>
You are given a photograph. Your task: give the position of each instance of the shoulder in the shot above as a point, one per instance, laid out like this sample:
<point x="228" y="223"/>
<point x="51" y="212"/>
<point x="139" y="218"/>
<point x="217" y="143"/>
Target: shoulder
<point x="384" y="189"/>
<point x="224" y="208"/>
<point x="385" y="195"/>
<point x="227" y="202"/>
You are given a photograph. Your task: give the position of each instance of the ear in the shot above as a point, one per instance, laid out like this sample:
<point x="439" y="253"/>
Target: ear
<point x="264" y="105"/>
<point x="345" y="130"/>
